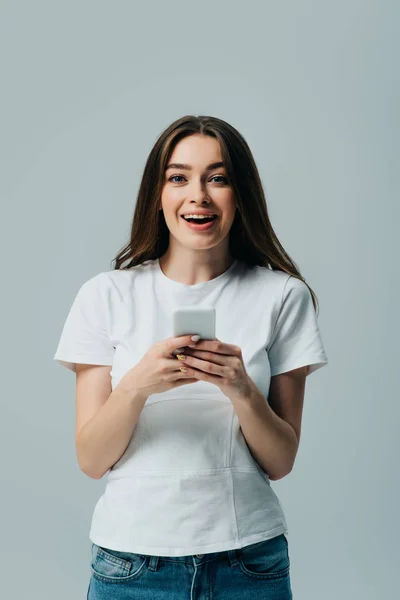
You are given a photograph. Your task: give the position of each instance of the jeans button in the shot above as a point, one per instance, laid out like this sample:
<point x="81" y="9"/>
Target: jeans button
<point x="199" y="555"/>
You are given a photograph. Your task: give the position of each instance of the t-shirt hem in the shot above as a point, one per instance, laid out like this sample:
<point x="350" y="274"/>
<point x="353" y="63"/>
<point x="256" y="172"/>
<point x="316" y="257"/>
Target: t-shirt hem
<point x="69" y="360"/>
<point x="182" y="551"/>
<point x="315" y="363"/>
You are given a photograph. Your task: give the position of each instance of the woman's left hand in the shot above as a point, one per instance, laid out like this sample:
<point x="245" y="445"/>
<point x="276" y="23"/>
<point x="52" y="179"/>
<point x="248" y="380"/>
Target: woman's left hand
<point x="221" y="364"/>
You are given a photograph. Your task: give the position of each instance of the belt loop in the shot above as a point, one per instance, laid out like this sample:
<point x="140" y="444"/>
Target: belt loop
<point x="233" y="557"/>
<point x="153" y="563"/>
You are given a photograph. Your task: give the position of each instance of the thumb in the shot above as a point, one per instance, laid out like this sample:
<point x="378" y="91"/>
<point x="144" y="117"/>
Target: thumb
<point x="180" y="341"/>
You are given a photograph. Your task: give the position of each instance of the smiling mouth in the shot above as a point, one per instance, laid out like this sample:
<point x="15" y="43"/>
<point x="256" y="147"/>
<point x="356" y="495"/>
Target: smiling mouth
<point x="200" y="220"/>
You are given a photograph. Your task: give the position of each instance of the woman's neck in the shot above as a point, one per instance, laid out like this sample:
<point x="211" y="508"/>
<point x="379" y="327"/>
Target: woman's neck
<point x="193" y="268"/>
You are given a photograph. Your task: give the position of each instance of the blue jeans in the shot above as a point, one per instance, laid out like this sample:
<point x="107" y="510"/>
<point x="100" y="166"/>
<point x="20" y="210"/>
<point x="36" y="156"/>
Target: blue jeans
<point x="260" y="571"/>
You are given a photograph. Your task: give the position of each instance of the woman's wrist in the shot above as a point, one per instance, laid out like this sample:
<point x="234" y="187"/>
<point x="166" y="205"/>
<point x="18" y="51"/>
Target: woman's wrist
<point x="131" y="394"/>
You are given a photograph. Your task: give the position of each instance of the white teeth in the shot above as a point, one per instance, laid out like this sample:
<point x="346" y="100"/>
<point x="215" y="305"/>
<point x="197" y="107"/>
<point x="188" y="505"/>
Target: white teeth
<point x="197" y="216"/>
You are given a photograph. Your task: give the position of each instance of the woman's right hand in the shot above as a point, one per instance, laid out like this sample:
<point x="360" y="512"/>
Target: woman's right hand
<point x="158" y="370"/>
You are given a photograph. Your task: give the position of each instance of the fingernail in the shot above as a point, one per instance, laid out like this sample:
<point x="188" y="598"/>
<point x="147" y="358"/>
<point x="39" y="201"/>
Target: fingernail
<point x="181" y="357"/>
<point x="178" y="351"/>
<point x="194" y="346"/>
<point x="195" y="338"/>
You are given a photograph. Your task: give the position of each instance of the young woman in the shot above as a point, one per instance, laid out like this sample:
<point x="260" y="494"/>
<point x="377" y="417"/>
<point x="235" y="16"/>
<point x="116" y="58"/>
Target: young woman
<point x="191" y="432"/>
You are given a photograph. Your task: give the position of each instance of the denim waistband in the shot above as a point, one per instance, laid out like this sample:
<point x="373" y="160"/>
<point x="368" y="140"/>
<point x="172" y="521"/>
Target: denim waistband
<point x="196" y="559"/>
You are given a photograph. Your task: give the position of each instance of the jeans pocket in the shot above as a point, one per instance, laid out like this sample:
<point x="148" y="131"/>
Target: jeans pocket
<point x="115" y="566"/>
<point x="268" y="559"/>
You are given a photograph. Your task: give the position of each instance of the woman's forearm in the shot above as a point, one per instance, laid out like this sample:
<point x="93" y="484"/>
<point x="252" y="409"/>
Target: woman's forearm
<point x="271" y="440"/>
<point x="104" y="439"/>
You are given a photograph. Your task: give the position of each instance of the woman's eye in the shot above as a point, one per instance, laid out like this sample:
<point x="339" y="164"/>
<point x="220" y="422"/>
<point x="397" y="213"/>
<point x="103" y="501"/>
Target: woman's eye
<point x="215" y="177"/>
<point x="220" y="177"/>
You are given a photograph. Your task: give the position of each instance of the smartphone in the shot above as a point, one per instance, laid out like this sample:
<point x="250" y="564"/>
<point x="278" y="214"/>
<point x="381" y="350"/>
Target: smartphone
<point x="191" y="320"/>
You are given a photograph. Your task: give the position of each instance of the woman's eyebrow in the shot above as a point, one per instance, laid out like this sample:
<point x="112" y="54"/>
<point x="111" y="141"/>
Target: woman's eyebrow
<point x="215" y="165"/>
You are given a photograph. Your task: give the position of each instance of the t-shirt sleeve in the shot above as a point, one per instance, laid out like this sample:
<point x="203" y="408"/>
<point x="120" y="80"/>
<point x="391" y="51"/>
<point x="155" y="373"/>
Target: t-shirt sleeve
<point x="84" y="337"/>
<point x="296" y="339"/>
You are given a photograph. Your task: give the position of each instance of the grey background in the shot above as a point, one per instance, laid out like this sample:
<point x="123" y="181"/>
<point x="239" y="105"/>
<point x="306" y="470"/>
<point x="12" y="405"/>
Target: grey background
<point x="314" y="88"/>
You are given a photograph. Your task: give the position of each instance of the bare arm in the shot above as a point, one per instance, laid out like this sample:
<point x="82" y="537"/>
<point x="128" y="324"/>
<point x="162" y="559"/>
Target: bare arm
<point x="105" y="419"/>
<point x="272" y="429"/>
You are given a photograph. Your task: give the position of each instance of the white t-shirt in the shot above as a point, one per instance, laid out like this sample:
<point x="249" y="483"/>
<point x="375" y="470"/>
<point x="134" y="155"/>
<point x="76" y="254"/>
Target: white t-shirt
<point x="187" y="482"/>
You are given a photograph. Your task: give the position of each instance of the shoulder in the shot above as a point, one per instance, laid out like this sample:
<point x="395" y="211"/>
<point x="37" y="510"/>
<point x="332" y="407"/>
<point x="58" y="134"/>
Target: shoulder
<point x="115" y="284"/>
<point x="278" y="289"/>
<point x="127" y="277"/>
<point x="273" y="281"/>
<point x="295" y="289"/>
<point x="118" y="277"/>
<point x="284" y="283"/>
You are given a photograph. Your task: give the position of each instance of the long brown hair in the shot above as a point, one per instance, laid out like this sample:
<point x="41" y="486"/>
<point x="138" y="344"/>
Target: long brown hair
<point x="251" y="239"/>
